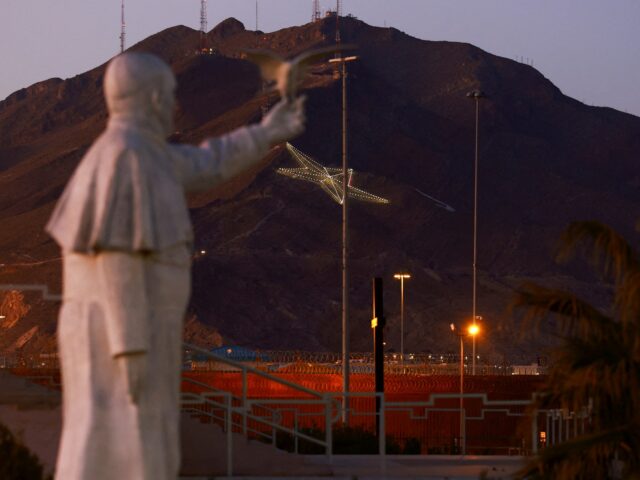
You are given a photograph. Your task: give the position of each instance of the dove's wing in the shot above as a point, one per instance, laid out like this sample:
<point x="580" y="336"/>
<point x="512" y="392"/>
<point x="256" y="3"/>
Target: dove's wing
<point x="268" y="62"/>
<point x="313" y="56"/>
<point x="293" y="78"/>
<point x="301" y="63"/>
<point x="288" y="75"/>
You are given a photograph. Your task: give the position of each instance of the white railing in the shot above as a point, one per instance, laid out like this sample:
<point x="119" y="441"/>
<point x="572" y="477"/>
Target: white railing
<point x="562" y="425"/>
<point x="249" y="411"/>
<point x="265" y="417"/>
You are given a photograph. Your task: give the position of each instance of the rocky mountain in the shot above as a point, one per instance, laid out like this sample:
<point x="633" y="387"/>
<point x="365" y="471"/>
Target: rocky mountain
<point x="270" y="275"/>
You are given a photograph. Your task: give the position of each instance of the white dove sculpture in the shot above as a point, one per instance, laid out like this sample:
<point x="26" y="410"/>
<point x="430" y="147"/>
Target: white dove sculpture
<point x="288" y="74"/>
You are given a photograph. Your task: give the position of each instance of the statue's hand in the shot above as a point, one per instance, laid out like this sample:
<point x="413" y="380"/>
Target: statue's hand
<point x="134" y="367"/>
<point x="285" y="121"/>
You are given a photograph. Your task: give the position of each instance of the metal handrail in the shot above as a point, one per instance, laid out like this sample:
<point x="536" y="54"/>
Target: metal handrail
<point x="247" y="405"/>
<point x="331" y="401"/>
<point x="197" y="399"/>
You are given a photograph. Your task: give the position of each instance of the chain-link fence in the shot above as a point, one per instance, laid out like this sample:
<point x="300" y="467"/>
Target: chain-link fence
<point x="301" y="362"/>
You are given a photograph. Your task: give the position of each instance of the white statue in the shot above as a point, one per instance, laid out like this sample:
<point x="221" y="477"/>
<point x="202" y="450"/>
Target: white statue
<point x="123" y="226"/>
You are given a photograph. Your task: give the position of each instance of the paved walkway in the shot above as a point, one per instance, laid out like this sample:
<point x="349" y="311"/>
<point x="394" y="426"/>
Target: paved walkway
<point x="423" y="467"/>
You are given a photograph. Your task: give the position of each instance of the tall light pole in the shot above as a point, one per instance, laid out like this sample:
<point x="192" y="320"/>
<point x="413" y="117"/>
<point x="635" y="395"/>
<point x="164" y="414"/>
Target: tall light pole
<point x="402" y="277"/>
<point x="475" y="95"/>
<point x="345" y="239"/>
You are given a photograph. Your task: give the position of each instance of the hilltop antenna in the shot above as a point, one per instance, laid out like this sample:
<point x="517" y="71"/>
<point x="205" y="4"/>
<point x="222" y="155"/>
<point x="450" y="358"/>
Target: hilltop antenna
<point x="256" y="15"/>
<point x="338" y="13"/>
<point x="315" y="15"/>
<point x="123" y="33"/>
<point x="203" y="17"/>
<point x="203" y="27"/>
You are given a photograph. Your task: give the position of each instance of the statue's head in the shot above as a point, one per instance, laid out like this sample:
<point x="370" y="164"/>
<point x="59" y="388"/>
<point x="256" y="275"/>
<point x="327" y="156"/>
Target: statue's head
<point x="141" y="84"/>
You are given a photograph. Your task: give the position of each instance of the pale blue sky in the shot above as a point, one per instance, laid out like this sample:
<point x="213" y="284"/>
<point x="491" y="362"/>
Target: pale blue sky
<point x="589" y="48"/>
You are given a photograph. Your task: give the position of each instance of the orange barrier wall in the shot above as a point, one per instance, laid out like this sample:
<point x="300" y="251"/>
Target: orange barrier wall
<point x="437" y="429"/>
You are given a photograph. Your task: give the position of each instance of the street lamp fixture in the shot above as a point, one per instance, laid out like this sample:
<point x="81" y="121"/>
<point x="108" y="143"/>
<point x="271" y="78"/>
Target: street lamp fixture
<point x="402" y="277"/>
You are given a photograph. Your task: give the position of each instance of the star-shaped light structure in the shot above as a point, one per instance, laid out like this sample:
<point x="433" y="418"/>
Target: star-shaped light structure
<point x="328" y="178"/>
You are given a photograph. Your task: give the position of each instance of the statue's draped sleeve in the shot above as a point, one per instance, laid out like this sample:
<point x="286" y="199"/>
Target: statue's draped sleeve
<point x="221" y="158"/>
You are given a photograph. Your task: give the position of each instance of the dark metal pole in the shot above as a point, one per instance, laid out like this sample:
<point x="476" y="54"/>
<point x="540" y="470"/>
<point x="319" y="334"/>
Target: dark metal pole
<point x="402" y="322"/>
<point x="462" y="416"/>
<point x="345" y="242"/>
<point x="475" y="240"/>
<point x="377" y="324"/>
<point x="345" y="250"/>
<point x="476" y="95"/>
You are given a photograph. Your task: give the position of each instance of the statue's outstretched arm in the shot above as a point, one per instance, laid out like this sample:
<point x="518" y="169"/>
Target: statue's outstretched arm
<point x="219" y="159"/>
<point x="123" y="282"/>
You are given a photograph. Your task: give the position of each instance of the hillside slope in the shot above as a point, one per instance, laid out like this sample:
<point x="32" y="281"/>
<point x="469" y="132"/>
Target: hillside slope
<point x="270" y="277"/>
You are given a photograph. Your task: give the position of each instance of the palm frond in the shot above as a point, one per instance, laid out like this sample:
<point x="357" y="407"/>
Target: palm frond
<point x="608" y="249"/>
<point x="576" y="316"/>
<point x="627" y="298"/>
<point x="595" y="369"/>
<point x="610" y="384"/>
<point x="610" y="252"/>
<point x="587" y="456"/>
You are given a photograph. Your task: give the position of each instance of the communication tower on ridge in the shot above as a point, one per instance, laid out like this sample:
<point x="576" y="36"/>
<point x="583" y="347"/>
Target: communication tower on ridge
<point x="204" y="48"/>
<point x="315" y="15"/>
<point x="123" y="25"/>
<point x="203" y="17"/>
<point x="338" y="14"/>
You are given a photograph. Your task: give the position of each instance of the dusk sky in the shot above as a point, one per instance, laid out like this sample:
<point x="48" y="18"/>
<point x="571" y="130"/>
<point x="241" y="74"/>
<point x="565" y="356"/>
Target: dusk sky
<point x="590" y="49"/>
